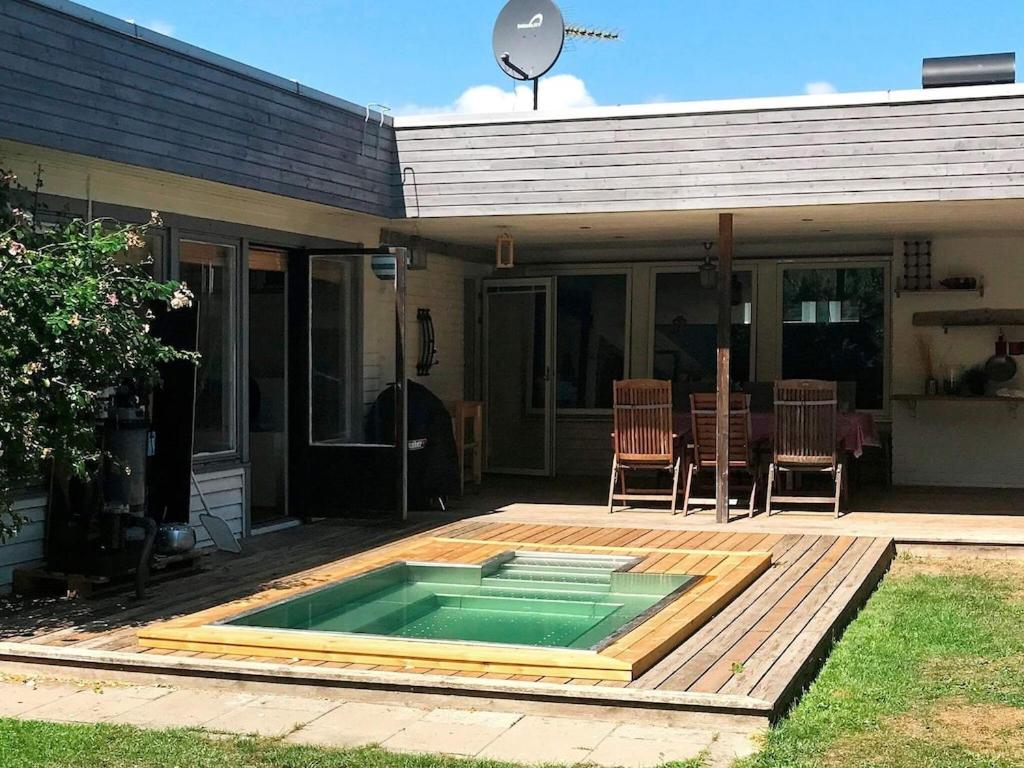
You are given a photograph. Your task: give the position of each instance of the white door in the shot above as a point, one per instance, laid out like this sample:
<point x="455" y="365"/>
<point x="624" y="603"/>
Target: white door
<point x="519" y="376"/>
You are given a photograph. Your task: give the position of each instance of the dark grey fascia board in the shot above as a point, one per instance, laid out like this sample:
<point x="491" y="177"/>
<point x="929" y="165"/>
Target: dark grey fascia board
<point x="114" y="24"/>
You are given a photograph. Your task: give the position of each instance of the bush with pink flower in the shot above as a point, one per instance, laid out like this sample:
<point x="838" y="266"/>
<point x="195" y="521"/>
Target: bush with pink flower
<point x="74" y="321"/>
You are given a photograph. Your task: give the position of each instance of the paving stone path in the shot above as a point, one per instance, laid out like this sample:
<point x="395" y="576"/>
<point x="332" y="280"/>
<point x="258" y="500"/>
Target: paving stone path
<point x="499" y="735"/>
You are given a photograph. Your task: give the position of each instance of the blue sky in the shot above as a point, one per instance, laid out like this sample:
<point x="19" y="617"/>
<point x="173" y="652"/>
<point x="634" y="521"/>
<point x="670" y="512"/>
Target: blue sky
<point x="415" y="55"/>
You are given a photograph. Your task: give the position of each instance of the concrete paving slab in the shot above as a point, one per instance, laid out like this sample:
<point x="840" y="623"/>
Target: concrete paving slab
<point x="265" y="718"/>
<point x="618" y="752"/>
<point x="94" y="705"/>
<point x="481" y="717"/>
<point x="184" y="709"/>
<point x="355" y="724"/>
<point x="548" y="740"/>
<point x="727" y="748"/>
<point x="17" y="698"/>
<point x="462" y="739"/>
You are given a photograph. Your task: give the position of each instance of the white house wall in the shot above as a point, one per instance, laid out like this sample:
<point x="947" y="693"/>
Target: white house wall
<point x="224" y="492"/>
<point x="25" y="548"/>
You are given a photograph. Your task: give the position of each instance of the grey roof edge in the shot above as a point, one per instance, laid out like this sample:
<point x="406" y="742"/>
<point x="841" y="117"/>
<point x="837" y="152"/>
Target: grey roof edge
<point x="114" y="24"/>
<point x="760" y="104"/>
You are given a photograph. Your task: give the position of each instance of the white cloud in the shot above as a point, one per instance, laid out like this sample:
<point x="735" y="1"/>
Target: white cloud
<point x="556" y="92"/>
<point x="819" y="87"/>
<point x="161" y="27"/>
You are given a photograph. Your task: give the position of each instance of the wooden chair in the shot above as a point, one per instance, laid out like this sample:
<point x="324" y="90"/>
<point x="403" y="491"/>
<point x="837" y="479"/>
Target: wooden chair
<point x="704" y="415"/>
<point x="805" y="438"/>
<point x="643" y="439"/>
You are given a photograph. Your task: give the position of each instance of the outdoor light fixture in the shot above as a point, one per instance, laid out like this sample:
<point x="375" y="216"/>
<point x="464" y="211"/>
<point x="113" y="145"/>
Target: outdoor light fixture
<point x="708" y="271"/>
<point x="505" y="252"/>
<point x="383" y="266"/>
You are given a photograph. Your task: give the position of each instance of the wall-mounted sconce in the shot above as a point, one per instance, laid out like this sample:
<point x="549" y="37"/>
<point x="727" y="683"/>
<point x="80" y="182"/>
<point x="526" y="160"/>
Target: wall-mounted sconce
<point x="708" y="270"/>
<point x="505" y="252"/>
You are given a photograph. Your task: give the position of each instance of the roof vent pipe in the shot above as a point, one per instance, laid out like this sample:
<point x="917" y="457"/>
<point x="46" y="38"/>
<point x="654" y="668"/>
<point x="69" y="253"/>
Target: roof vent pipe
<point x="981" y="69"/>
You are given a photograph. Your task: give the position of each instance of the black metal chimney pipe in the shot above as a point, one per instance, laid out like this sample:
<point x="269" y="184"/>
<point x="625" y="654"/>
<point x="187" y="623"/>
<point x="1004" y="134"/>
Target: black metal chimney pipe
<point x="981" y="69"/>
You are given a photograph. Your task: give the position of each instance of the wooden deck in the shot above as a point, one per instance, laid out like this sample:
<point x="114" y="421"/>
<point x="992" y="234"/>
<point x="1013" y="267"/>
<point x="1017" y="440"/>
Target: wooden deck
<point x="721" y="574"/>
<point x="752" y="656"/>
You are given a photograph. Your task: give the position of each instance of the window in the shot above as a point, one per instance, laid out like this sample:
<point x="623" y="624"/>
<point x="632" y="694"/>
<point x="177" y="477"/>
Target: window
<point x="591" y="339"/>
<point x="685" y="333"/>
<point x="331" y="369"/>
<point x="833" y="328"/>
<point x="149" y="256"/>
<point x="209" y="271"/>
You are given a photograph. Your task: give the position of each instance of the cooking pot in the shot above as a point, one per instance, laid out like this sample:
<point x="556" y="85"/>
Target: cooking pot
<point x="175" y="538"/>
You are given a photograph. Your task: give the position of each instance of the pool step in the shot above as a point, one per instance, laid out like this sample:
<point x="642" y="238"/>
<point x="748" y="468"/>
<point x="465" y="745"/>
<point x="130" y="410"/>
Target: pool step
<point x="554" y="559"/>
<point x="571" y="590"/>
<point x="537" y="573"/>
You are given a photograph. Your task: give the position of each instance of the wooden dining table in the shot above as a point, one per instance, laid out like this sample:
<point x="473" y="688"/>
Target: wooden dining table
<point x="854" y="429"/>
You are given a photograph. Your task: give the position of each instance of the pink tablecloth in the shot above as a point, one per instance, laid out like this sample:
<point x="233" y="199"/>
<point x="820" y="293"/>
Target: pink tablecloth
<point x="855" y="429"/>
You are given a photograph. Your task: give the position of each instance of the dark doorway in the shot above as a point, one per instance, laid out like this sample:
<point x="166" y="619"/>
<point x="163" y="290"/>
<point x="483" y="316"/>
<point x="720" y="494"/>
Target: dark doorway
<point x="268" y="385"/>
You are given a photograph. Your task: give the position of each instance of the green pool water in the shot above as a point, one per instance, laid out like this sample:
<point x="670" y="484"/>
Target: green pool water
<point x="537" y="599"/>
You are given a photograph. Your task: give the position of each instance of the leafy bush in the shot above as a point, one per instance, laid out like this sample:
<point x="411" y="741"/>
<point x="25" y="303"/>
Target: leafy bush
<point x="74" y="322"/>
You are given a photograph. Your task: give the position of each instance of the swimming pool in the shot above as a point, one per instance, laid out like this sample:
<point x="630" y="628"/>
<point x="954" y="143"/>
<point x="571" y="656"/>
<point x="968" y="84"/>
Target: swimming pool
<point x="520" y="598"/>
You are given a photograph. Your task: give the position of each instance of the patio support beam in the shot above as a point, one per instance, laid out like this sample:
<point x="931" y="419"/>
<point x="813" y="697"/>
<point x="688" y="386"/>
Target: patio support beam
<point x="723" y="381"/>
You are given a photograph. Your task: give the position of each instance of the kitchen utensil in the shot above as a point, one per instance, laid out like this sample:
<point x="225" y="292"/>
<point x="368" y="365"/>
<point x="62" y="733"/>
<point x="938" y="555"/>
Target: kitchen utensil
<point x="959" y="283"/>
<point x="1000" y="368"/>
<point x="175" y="538"/>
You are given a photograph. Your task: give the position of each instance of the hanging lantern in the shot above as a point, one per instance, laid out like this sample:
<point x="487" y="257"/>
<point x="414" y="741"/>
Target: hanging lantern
<point x="504" y="252"/>
<point x="708" y="271"/>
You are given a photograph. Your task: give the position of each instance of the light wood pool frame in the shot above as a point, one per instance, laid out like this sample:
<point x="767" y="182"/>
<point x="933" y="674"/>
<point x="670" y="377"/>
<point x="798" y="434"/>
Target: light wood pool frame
<point x="722" y="575"/>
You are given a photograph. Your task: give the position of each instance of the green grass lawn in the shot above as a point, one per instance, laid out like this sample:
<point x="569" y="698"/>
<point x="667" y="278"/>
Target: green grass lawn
<point x="929" y="675"/>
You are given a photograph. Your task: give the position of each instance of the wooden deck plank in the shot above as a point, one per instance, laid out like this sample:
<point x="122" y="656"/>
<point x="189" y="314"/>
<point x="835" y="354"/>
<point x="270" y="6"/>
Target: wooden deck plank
<point x="843" y="598"/>
<point x="801" y="597"/>
<point x="707" y="641"/>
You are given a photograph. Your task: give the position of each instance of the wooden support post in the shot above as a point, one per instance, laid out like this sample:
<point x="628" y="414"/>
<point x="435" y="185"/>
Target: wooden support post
<point x="723" y="379"/>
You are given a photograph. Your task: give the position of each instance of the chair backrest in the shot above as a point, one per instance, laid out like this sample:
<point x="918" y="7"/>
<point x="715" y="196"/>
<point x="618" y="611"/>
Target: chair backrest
<point x="642" y="411"/>
<point x="704" y="416"/>
<point x="805" y="422"/>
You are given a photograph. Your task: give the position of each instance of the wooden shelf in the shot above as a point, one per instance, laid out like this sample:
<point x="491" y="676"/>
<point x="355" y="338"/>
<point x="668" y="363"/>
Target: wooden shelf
<point x="963" y="318"/>
<point x="979" y="290"/>
<point x="912" y="400"/>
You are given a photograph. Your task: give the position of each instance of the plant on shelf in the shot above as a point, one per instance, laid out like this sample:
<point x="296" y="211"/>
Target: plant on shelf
<point x="74" y="322"/>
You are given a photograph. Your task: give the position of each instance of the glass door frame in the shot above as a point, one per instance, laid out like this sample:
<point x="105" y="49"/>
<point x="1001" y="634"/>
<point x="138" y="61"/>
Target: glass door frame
<point x="332" y="480"/>
<point x="545" y="285"/>
<point x="285" y="253"/>
<point x="881" y="261"/>
<point x="694" y="268"/>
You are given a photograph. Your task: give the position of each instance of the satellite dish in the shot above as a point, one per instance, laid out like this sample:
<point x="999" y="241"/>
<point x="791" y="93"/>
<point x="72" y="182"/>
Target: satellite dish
<point x="528" y="38"/>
